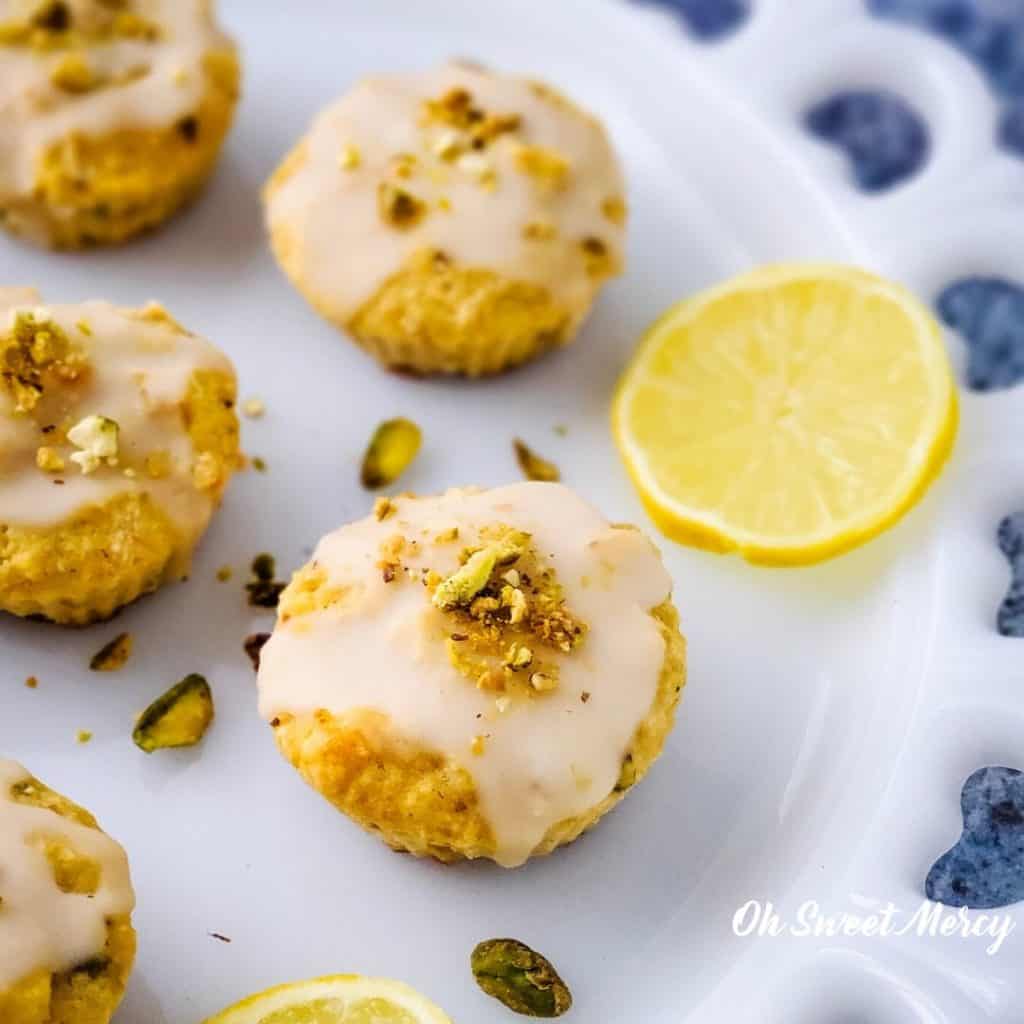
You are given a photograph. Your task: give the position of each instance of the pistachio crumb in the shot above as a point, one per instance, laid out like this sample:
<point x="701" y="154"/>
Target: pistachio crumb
<point x="546" y="166"/>
<point x="540" y="231"/>
<point x="614" y="208"/>
<point x="113" y="655"/>
<point x="49" y="460"/>
<point x="259" y="464"/>
<point x="350" y="157"/>
<point x="224" y="573"/>
<point x="83" y="326"/>
<point x="32" y="682"/>
<point x="263" y="590"/>
<point x="254" y="408"/>
<point x="585" y="696"/>
<point x="478" y="745"/>
<point x="96" y="437"/>
<point x="73" y="73"/>
<point x="398" y="207"/>
<point x="84" y="736"/>
<point x="543" y="683"/>
<point x="533" y="466"/>
<point x="382" y="508"/>
<point x="502" y="703"/>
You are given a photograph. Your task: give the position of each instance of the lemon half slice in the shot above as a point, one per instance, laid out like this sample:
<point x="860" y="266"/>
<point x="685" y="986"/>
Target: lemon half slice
<point x="789" y="414"/>
<point x="338" y="999"/>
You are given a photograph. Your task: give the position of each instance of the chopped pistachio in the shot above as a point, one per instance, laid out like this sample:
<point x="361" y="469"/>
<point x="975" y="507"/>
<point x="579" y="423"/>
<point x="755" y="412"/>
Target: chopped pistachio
<point x="49" y="460"/>
<point x="263" y="590"/>
<point x="597" y="256"/>
<point x="533" y="466"/>
<point x="448" y="536"/>
<point x="253" y="408"/>
<point x="448" y="146"/>
<point x="259" y="464"/>
<point x="393" y="447"/>
<point x="503" y="703"/>
<point x="32" y="682"/>
<point x="84" y="327"/>
<point x="585" y="696"/>
<point x="350" y="157"/>
<point x="542" y="682"/>
<point x="404" y="165"/>
<point x="519" y="978"/>
<point x="478" y="745"/>
<point x="461" y="587"/>
<point x="178" y="718"/>
<point x="52" y="16"/>
<point x="546" y="166"/>
<point x="73" y="73"/>
<point x="96" y="437"/>
<point x="512" y="577"/>
<point x="253" y="645"/>
<point x="84" y="736"/>
<point x="540" y="231"/>
<point x="382" y="508"/>
<point x="224" y="573"/>
<point x="614" y="208"/>
<point x="561" y="429"/>
<point x="112" y="656"/>
<point x="398" y="207"/>
<point x="518" y="658"/>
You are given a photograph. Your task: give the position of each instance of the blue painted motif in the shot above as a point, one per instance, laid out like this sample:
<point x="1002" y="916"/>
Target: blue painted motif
<point x="1010" y="620"/>
<point x="989" y="314"/>
<point x="989" y="32"/>
<point x="986" y="867"/>
<point x="708" y="19"/>
<point x="885" y="139"/>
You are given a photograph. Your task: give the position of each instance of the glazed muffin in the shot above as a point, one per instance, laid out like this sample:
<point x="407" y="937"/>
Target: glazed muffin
<point x="118" y="434"/>
<point x="114" y="112"/>
<point x="453" y="221"/>
<point x="480" y="674"/>
<point x="65" y="924"/>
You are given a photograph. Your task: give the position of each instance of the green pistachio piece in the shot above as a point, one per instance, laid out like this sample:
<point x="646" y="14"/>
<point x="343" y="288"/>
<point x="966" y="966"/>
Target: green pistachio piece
<point x="461" y="587"/>
<point x="533" y="466"/>
<point x="394" y="445"/>
<point x="113" y="655"/>
<point x="519" y="978"/>
<point x="179" y="718"/>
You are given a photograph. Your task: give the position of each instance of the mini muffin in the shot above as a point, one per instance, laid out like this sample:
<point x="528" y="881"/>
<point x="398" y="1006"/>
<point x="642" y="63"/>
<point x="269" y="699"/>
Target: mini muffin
<point x="114" y="112"/>
<point x="480" y="674"/>
<point x="65" y="920"/>
<point x="118" y="434"/>
<point x="453" y="221"/>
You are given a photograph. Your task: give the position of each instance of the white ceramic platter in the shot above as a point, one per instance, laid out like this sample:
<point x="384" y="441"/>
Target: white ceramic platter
<point x="823" y="737"/>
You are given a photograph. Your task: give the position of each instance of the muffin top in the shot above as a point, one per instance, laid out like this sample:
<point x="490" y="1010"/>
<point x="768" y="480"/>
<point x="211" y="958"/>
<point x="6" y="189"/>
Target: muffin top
<point x="95" y="67"/>
<point x="93" y="406"/>
<point x="60" y="880"/>
<point x="508" y="629"/>
<point x="483" y="170"/>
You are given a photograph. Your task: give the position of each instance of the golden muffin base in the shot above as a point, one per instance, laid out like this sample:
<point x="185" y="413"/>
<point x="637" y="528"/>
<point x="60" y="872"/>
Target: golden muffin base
<point x="421" y="803"/>
<point x="105" y="556"/>
<point x="105" y="190"/>
<point x="90" y="993"/>
<point x="433" y="316"/>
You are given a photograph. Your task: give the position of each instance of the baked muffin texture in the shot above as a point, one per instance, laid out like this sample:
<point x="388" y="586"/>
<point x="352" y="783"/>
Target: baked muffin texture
<point x="65" y="929"/>
<point x="451" y="221"/>
<point x="114" y="113"/>
<point x="480" y="674"/>
<point x="118" y="435"/>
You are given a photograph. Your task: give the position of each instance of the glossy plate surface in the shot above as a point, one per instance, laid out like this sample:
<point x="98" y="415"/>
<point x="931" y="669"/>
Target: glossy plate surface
<point x="832" y="713"/>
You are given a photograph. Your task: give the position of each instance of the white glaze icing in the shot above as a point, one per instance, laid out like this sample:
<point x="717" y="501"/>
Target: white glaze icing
<point x="343" y="251"/>
<point x="42" y="927"/>
<point x="35" y="113"/>
<point x="139" y="376"/>
<point x="546" y="758"/>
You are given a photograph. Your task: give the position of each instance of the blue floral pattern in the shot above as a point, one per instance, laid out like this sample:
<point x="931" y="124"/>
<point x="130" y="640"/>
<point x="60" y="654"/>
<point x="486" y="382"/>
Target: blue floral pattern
<point x="1010" y="620"/>
<point x="986" y="867"/>
<point x="885" y="139"/>
<point x="708" y="19"/>
<point x="989" y="314"/>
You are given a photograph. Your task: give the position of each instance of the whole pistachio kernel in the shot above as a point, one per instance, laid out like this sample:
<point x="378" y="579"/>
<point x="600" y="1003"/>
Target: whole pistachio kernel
<point x="520" y="978"/>
<point x="393" y="447"/>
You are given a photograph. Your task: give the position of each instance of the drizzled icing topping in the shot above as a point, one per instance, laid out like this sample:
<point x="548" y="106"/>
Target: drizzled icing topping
<point x="95" y="67"/>
<point x="91" y="408"/>
<point x="41" y="925"/>
<point x="382" y="640"/>
<point x="487" y="171"/>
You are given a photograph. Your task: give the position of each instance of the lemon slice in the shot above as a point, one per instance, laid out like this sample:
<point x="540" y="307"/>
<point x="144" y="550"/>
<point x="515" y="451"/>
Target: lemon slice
<point x="339" y="999"/>
<point x="789" y="414"/>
